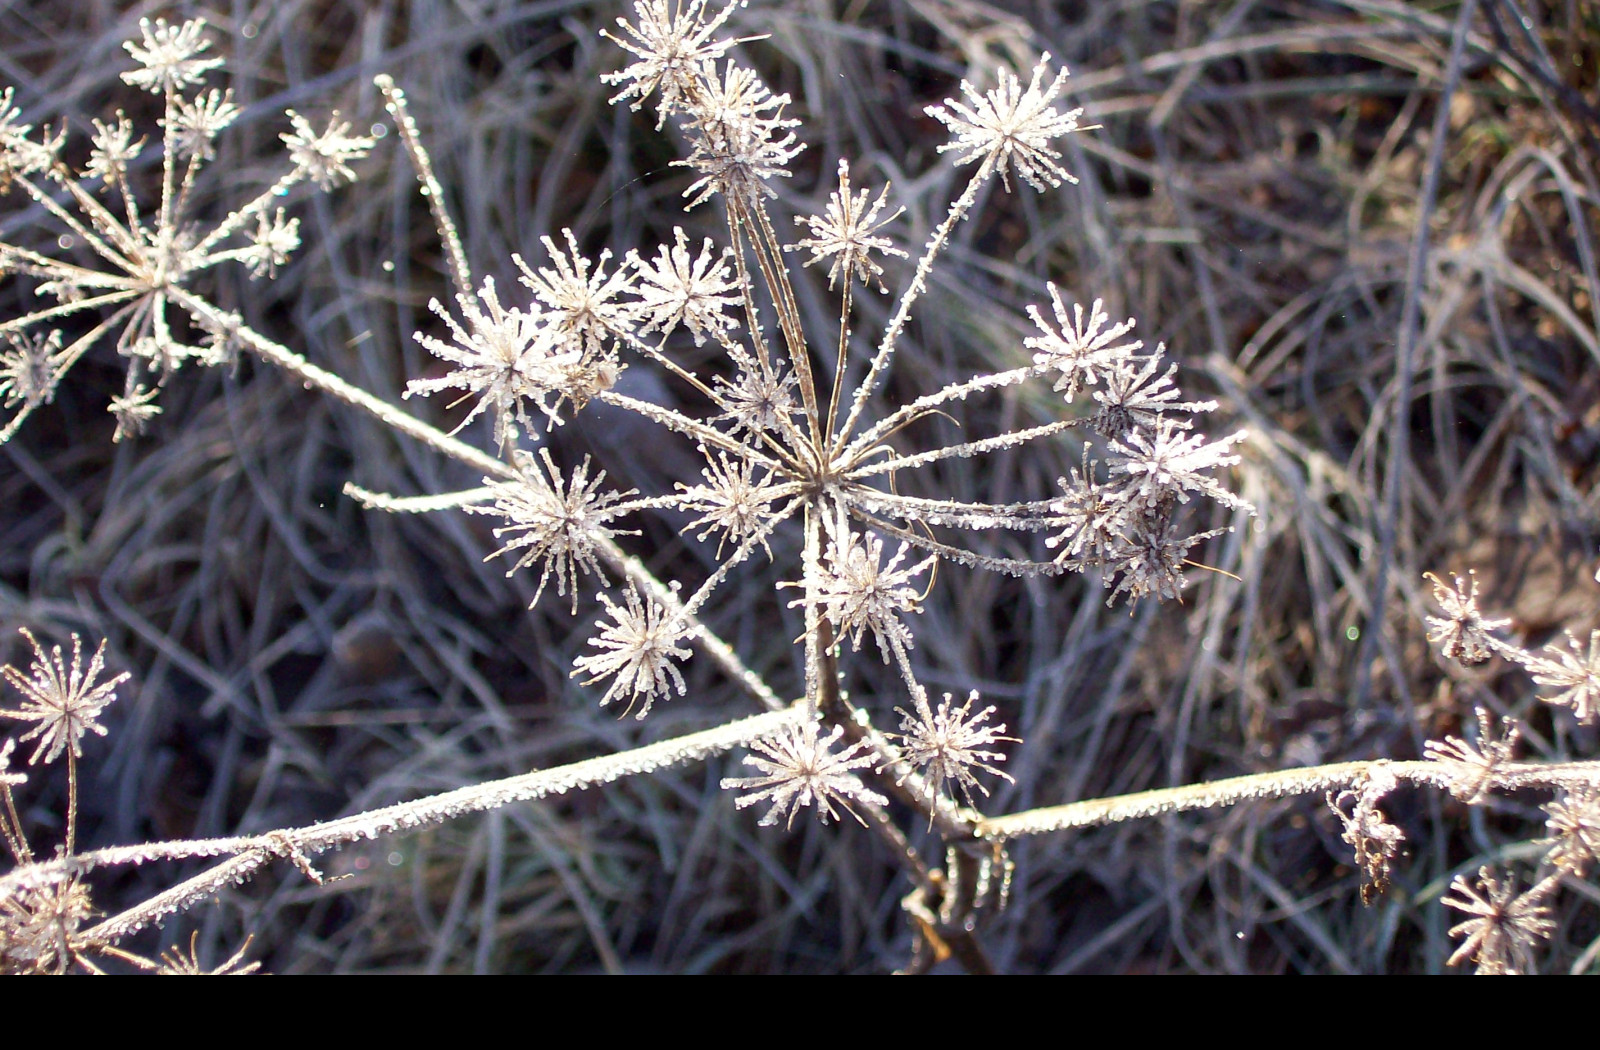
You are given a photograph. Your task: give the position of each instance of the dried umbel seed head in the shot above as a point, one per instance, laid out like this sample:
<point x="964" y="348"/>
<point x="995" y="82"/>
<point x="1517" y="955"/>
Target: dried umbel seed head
<point x="169" y="56"/>
<point x="1575" y="675"/>
<point x="507" y="358"/>
<point x="695" y="291"/>
<point x="1008" y="127"/>
<point x="1462" y="633"/>
<point x="740" y="137"/>
<point x="38" y="924"/>
<point x="951" y="744"/>
<point x="673" y="42"/>
<point x="554" y="520"/>
<point x="640" y="650"/>
<point x="1574" y="842"/>
<point x="144" y="281"/>
<point x="857" y="590"/>
<point x="1506" y="927"/>
<point x="732" y="503"/>
<point x="65" y="701"/>
<point x="1475" y="766"/>
<point x="801" y="768"/>
<point x="1375" y="841"/>
<point x="175" y="962"/>
<point x="846" y="234"/>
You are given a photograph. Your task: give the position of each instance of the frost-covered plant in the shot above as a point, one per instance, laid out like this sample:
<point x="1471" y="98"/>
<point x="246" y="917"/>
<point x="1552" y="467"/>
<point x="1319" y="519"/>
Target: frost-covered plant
<point x="39" y="923"/>
<point x="796" y="441"/>
<point x="141" y="262"/>
<point x="1506" y="928"/>
<point x="786" y="429"/>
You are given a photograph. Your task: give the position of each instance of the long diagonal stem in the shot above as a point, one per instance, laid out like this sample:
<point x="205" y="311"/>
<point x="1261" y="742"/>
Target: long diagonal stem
<point x="736" y="225"/>
<point x="254" y="853"/>
<point x="919" y="283"/>
<point x="769" y="253"/>
<point x="397" y="419"/>
<point x="1306" y="781"/>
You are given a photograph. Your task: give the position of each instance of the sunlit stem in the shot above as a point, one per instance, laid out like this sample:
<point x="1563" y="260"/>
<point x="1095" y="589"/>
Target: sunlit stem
<point x="130" y="206"/>
<point x="657" y="355"/>
<point x="971" y="448"/>
<point x="919" y="695"/>
<point x="703" y="433"/>
<point x="64" y="309"/>
<point x="50" y="204"/>
<point x="11" y="825"/>
<point x="929" y="402"/>
<point x="36" y="265"/>
<point x="919" y="282"/>
<point x="770" y="256"/>
<point x="256" y="852"/>
<point x="329" y="383"/>
<point x="99" y="215"/>
<point x="736" y="226"/>
<point x="190" y="172"/>
<point x="169" y="152"/>
<point x="814" y="620"/>
<point x="235" y="220"/>
<point x="460" y="272"/>
<point x="1310" y="780"/>
<point x="70" y="838"/>
<point x="839" y="364"/>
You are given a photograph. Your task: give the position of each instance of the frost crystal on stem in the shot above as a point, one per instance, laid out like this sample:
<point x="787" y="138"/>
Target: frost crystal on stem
<point x="148" y="258"/>
<point x="1008" y="127"/>
<point x="801" y="768"/>
<point x="641" y="651"/>
<point x="64" y="701"/>
<point x="1462" y="633"/>
<point x="845" y="234"/>
<point x="559" y="523"/>
<point x="1505" y="928"/>
<point x="952" y="743"/>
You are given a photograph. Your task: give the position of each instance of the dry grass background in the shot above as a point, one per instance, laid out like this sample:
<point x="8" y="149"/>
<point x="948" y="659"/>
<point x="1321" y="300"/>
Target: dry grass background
<point x="1252" y="196"/>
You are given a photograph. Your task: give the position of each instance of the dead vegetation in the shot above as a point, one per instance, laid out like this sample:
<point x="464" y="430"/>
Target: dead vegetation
<point x="1364" y="227"/>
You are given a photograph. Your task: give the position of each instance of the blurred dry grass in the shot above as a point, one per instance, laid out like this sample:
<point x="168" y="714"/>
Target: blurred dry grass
<point x="1252" y="196"/>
